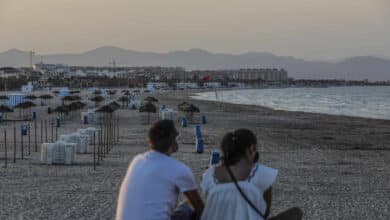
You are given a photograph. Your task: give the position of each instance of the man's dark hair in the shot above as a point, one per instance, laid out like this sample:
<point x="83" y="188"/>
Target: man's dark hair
<point x="162" y="135"/>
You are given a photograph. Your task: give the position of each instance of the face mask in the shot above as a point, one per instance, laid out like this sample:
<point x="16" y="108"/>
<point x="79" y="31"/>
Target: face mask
<point x="256" y="159"/>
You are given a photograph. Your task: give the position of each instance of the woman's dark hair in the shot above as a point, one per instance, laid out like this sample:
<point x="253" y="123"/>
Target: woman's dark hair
<point x="162" y="135"/>
<point x="234" y="145"/>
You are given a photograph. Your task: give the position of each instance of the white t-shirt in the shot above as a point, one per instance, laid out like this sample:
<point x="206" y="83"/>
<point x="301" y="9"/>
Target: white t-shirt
<point x="151" y="187"/>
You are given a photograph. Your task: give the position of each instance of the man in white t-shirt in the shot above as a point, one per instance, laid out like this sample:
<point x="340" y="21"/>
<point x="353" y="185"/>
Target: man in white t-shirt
<point x="154" y="180"/>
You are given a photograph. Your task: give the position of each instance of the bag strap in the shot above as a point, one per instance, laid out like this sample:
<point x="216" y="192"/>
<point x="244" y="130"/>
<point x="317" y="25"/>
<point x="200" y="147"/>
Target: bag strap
<point x="243" y="194"/>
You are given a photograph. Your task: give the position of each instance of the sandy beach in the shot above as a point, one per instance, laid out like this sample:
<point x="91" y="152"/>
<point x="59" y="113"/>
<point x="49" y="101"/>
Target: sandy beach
<point x="333" y="167"/>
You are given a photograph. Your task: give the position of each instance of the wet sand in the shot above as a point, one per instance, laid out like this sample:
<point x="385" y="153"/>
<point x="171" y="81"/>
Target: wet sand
<point x="333" y="167"/>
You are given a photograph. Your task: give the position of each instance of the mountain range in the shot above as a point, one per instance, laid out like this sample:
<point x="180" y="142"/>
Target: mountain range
<point x="354" y="68"/>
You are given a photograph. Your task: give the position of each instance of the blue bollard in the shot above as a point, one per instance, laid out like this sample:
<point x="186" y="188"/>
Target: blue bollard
<point x="34" y="115"/>
<point x="198" y="132"/>
<point x="133" y="107"/>
<point x="85" y="119"/>
<point x="204" y="120"/>
<point x="184" y="122"/>
<point x="58" y="122"/>
<point x="214" y="159"/>
<point x="199" y="145"/>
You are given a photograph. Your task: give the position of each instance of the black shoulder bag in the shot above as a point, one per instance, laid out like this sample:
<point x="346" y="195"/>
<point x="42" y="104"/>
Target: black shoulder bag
<point x="243" y="194"/>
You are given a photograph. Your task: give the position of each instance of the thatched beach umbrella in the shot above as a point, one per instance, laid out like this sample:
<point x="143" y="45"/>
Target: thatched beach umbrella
<point x="77" y="105"/>
<point x="151" y="99"/>
<point x="62" y="109"/>
<point x="70" y="98"/>
<point x="97" y="99"/>
<point x="105" y="109"/>
<point x="97" y="92"/>
<point x="45" y="97"/>
<point x="5" y="109"/>
<point x="112" y="92"/>
<point x="182" y="106"/>
<point x="31" y="97"/>
<point x="190" y="109"/>
<point x="114" y="105"/>
<point x="125" y="100"/>
<point x="149" y="108"/>
<point x="24" y="105"/>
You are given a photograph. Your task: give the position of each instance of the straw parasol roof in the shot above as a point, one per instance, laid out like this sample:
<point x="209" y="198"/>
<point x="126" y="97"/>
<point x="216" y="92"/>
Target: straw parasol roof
<point x="97" y="92"/>
<point x="71" y="98"/>
<point x="46" y="96"/>
<point x="148" y="107"/>
<point x="114" y="104"/>
<point x="97" y="99"/>
<point x="151" y="99"/>
<point x="76" y="105"/>
<point x="62" y="109"/>
<point x="123" y="99"/>
<point x="27" y="104"/>
<point x="31" y="97"/>
<point x="5" y="109"/>
<point x="190" y="108"/>
<point x="106" y="109"/>
<point x="183" y="105"/>
<point x="112" y="92"/>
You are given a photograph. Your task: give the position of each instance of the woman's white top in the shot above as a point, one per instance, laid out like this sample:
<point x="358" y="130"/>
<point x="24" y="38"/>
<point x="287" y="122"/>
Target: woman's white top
<point x="224" y="201"/>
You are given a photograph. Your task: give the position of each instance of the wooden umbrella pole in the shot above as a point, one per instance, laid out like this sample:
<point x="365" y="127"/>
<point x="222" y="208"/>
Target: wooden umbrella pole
<point x="29" y="140"/>
<point x="35" y="134"/>
<point x="14" y="143"/>
<point x="5" y="148"/>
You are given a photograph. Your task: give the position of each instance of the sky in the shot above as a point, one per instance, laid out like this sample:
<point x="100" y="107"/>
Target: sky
<point x="309" y="29"/>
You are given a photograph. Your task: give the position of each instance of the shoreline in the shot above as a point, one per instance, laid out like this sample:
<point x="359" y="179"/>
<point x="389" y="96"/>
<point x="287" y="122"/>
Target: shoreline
<point x="196" y="96"/>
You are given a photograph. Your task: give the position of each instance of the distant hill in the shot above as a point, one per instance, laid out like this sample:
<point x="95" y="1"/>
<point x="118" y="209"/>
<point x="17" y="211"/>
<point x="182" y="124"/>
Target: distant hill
<point x="355" y="68"/>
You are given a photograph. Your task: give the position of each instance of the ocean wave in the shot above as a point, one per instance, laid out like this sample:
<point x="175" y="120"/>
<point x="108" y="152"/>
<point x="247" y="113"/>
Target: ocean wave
<point x="369" y="102"/>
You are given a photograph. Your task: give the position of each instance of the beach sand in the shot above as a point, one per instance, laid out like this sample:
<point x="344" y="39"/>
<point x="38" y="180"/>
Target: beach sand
<point x="333" y="167"/>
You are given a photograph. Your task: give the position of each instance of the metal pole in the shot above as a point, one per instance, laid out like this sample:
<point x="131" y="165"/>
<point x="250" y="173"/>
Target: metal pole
<point x="52" y="132"/>
<point x="46" y="130"/>
<point x="5" y="148"/>
<point x="113" y="131"/>
<point x="94" y="152"/>
<point x="117" y="131"/>
<point x="41" y="131"/>
<point x="14" y="143"/>
<point x="29" y="140"/>
<point x="107" y="136"/>
<point x="100" y="143"/>
<point x="35" y="134"/>
<point x="56" y="133"/>
<point x="21" y="145"/>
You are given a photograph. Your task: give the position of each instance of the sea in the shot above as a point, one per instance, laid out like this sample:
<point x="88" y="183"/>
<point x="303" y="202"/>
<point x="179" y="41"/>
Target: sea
<point x="360" y="101"/>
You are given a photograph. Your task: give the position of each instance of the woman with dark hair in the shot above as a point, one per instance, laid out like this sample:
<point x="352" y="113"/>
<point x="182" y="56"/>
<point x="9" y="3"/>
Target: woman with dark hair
<point x="239" y="187"/>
